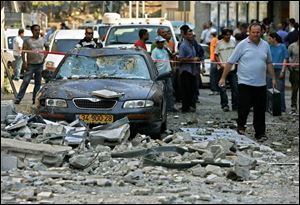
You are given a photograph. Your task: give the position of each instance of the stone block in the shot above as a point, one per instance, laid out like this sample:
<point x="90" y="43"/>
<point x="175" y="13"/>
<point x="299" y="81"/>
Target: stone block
<point x="52" y="129"/>
<point x="7" y="108"/>
<point x="8" y="162"/>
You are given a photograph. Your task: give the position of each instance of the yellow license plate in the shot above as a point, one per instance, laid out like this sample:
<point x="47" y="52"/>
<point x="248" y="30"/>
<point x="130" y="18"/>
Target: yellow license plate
<point x="95" y="119"/>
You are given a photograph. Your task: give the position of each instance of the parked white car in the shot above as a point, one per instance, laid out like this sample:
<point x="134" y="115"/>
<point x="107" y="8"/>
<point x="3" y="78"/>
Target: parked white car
<point x="63" y="41"/>
<point x="126" y="32"/>
<point x="205" y="76"/>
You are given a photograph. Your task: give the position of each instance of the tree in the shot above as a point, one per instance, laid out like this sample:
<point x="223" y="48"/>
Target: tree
<point x="48" y="4"/>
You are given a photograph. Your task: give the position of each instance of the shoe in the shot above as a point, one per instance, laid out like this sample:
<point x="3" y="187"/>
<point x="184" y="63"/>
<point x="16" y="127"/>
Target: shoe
<point x="261" y="137"/>
<point x="16" y="79"/>
<point x="211" y="93"/>
<point x="33" y="102"/>
<point x="241" y="130"/>
<point x="226" y="109"/>
<point x="17" y="102"/>
<point x="293" y="113"/>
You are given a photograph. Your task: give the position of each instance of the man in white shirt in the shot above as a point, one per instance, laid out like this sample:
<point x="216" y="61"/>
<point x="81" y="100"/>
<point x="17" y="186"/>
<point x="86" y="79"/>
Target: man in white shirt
<point x="17" y="50"/>
<point x="210" y="30"/>
<point x="223" y="50"/>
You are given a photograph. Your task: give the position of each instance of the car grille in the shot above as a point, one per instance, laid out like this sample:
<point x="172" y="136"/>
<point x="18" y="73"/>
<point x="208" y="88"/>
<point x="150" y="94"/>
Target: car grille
<point x="94" y="103"/>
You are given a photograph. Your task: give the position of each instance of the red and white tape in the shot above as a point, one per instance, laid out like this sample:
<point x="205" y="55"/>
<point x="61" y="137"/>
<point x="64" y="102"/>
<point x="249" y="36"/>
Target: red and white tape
<point x="155" y="60"/>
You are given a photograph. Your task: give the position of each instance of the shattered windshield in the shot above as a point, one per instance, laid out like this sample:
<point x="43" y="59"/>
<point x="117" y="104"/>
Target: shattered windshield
<point x="116" y="66"/>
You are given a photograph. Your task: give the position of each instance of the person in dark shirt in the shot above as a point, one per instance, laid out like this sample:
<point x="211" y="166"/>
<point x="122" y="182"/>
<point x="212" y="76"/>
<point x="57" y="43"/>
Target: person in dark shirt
<point x="89" y="41"/>
<point x="292" y="35"/>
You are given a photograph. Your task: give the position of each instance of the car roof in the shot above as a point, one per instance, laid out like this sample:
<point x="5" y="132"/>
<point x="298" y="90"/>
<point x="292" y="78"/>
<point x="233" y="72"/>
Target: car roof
<point x="72" y="34"/>
<point x="108" y="51"/>
<point x="14" y="32"/>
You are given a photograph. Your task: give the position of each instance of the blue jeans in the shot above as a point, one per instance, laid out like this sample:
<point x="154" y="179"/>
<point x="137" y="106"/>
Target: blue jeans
<point x="233" y="81"/>
<point x="35" y="69"/>
<point x="280" y="87"/>
<point x="19" y="63"/>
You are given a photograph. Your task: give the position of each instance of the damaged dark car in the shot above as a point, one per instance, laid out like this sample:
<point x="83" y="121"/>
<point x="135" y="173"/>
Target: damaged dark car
<point x="100" y="86"/>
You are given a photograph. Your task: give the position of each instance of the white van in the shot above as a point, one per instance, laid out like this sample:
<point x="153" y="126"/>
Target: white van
<point x="63" y="41"/>
<point x="126" y="31"/>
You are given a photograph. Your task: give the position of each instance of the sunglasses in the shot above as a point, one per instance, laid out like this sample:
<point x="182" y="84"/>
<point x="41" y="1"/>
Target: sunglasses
<point x="88" y="33"/>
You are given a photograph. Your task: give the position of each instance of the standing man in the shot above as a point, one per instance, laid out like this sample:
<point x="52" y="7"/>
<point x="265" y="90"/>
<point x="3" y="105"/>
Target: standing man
<point x="144" y="36"/>
<point x="33" y="63"/>
<point x="210" y="30"/>
<point x="223" y="50"/>
<point x="254" y="59"/>
<point x="17" y="51"/>
<point x="162" y="61"/>
<point x="293" y="50"/>
<point x="88" y="41"/>
<point x="214" y="73"/>
<point x="162" y="32"/>
<point x="188" y="72"/>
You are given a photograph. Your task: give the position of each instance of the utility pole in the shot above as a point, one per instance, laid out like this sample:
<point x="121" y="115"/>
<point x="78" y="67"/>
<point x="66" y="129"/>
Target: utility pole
<point x="184" y="11"/>
<point x="110" y="6"/>
<point x="143" y="9"/>
<point x="137" y="9"/>
<point x="130" y="9"/>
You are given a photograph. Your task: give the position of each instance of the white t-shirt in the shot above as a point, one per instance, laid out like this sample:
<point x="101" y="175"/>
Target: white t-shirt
<point x="208" y="34"/>
<point x="224" y="50"/>
<point x="18" y="43"/>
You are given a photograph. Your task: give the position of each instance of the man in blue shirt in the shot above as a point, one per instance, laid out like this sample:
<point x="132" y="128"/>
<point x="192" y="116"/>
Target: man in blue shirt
<point x="254" y="59"/>
<point x="188" y="72"/>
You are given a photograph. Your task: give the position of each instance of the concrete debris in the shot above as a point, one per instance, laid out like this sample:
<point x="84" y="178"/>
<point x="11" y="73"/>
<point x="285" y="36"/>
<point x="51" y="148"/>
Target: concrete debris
<point x="19" y="121"/>
<point x="8" y="162"/>
<point x="35" y="170"/>
<point x="111" y="134"/>
<point x="7" y="108"/>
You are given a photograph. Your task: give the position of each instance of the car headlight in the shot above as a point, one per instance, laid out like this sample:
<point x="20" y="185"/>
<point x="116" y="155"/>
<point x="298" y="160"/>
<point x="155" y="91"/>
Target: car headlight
<point x="138" y="103"/>
<point x="56" y="103"/>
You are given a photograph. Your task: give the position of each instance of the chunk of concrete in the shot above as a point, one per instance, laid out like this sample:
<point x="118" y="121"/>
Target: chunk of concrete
<point x="7" y="108"/>
<point x="29" y="147"/>
<point x="8" y="162"/>
<point x="51" y="129"/>
<point x="110" y="136"/>
<point x="44" y="195"/>
<point x="25" y="132"/>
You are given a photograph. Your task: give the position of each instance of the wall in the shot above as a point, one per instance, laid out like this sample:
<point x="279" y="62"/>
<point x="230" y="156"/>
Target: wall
<point x="294" y="10"/>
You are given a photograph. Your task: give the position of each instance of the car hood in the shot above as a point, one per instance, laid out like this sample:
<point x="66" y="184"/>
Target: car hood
<point x="69" y="89"/>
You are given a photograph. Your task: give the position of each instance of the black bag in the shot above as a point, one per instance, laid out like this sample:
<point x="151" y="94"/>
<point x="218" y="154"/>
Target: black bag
<point x="274" y="102"/>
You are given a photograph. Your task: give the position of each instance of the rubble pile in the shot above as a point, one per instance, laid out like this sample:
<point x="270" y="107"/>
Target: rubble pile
<point x="47" y="162"/>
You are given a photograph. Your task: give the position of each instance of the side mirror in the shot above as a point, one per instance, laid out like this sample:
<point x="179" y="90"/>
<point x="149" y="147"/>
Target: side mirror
<point x="47" y="75"/>
<point x="163" y="76"/>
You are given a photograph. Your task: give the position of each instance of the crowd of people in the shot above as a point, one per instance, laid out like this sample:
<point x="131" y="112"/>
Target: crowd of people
<point x="252" y="59"/>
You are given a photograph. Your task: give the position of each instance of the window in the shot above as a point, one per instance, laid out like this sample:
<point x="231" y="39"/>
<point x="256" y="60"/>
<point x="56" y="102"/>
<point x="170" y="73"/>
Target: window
<point x="116" y="66"/>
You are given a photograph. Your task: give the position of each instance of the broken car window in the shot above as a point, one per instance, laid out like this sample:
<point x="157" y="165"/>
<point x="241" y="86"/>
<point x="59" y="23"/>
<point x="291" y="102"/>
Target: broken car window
<point x="117" y="66"/>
